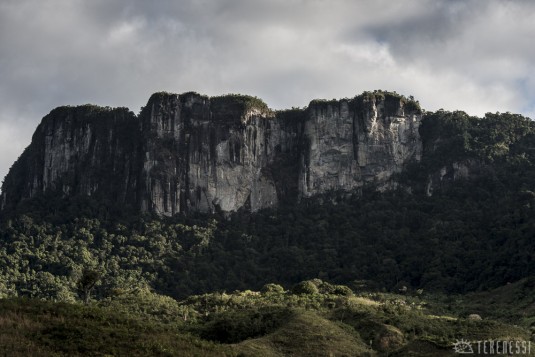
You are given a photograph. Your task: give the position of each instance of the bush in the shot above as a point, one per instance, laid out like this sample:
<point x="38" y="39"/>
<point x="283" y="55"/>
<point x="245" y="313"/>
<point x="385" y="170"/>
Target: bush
<point x="342" y="290"/>
<point x="237" y="326"/>
<point x="305" y="287"/>
<point x="272" y="288"/>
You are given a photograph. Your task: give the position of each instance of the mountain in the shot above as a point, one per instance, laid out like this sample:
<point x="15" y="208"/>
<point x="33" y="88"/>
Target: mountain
<point x="197" y="194"/>
<point x="329" y="211"/>
<point x="191" y="153"/>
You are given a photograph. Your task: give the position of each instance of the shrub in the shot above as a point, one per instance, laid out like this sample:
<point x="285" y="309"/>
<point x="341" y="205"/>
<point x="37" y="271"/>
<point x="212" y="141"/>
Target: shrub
<point x="305" y="287"/>
<point x="342" y="290"/>
<point x="272" y="288"/>
<point x="237" y="326"/>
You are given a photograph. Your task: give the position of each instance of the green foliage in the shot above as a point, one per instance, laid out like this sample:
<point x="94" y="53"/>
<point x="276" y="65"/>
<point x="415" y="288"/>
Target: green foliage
<point x="292" y="115"/>
<point x="245" y="101"/>
<point x="342" y="290"/>
<point x="59" y="261"/>
<point x="238" y="325"/>
<point x="140" y="322"/>
<point x="393" y="99"/>
<point x="412" y="106"/>
<point x="316" y="286"/>
<point x="449" y="136"/>
<point x="440" y="243"/>
<point x="87" y="109"/>
<point x="305" y="287"/>
<point x="325" y="102"/>
<point x="36" y="328"/>
<point x="367" y="316"/>
<point x="87" y="282"/>
<point x="445" y="136"/>
<point x="272" y="288"/>
<point x="146" y="304"/>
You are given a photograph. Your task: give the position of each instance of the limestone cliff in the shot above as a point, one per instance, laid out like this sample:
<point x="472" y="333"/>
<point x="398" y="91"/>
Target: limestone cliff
<point x="190" y="152"/>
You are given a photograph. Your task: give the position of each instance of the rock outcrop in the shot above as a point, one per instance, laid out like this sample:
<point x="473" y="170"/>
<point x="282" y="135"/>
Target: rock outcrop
<point x="351" y="142"/>
<point x="190" y="152"/>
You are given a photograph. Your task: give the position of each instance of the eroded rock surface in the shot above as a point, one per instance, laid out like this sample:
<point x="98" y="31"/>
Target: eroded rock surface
<point x="190" y="152"/>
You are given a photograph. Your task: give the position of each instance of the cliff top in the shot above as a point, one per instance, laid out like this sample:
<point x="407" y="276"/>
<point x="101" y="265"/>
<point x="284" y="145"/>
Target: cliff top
<point x="391" y="99"/>
<point x="244" y="103"/>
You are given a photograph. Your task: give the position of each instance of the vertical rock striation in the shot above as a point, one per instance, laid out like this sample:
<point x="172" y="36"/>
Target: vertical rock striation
<point x="352" y="142"/>
<point x="204" y="154"/>
<point x="190" y="152"/>
<point x="85" y="150"/>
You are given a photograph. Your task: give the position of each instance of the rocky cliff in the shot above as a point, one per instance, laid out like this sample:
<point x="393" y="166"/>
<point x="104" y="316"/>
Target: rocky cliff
<point x="351" y="142"/>
<point x="190" y="152"/>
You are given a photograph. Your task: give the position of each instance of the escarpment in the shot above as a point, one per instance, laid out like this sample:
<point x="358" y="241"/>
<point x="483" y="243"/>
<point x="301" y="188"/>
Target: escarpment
<point x="190" y="152"/>
<point x="351" y="142"/>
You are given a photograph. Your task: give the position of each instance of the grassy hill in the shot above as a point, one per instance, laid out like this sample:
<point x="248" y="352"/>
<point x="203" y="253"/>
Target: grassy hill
<point x="315" y="318"/>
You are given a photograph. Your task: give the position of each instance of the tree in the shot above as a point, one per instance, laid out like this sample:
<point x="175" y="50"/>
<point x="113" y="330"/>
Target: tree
<point x="86" y="283"/>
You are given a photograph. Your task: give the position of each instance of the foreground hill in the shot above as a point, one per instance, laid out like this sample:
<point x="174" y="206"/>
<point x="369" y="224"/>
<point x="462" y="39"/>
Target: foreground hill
<point x="314" y="319"/>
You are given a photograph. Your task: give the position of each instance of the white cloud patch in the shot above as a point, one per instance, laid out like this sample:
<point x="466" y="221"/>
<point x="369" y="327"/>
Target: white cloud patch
<point x="451" y="54"/>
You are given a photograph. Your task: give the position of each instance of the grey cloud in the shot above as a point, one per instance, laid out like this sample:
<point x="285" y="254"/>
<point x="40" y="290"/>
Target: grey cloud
<point x="469" y="55"/>
<point x="433" y="21"/>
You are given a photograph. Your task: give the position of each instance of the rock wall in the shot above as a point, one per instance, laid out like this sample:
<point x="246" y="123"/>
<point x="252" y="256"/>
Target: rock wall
<point x="352" y="142"/>
<point x="194" y="153"/>
<point x="204" y="154"/>
<point x="83" y="150"/>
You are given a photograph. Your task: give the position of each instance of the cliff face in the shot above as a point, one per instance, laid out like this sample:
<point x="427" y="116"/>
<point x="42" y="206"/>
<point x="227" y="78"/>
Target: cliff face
<point x="86" y="150"/>
<point x="193" y="153"/>
<point x="351" y="142"/>
<point x="202" y="154"/>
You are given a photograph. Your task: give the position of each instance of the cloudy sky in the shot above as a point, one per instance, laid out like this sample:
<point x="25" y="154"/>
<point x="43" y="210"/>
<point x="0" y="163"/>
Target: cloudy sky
<point x="477" y="56"/>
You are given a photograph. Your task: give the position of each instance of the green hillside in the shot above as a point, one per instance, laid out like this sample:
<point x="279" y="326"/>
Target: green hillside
<point x="313" y="319"/>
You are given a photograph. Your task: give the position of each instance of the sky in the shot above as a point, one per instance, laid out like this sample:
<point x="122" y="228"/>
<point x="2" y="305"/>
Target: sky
<point x="476" y="56"/>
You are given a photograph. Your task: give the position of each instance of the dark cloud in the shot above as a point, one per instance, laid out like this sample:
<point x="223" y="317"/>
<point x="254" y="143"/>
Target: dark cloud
<point x="469" y="55"/>
<point x="433" y="21"/>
